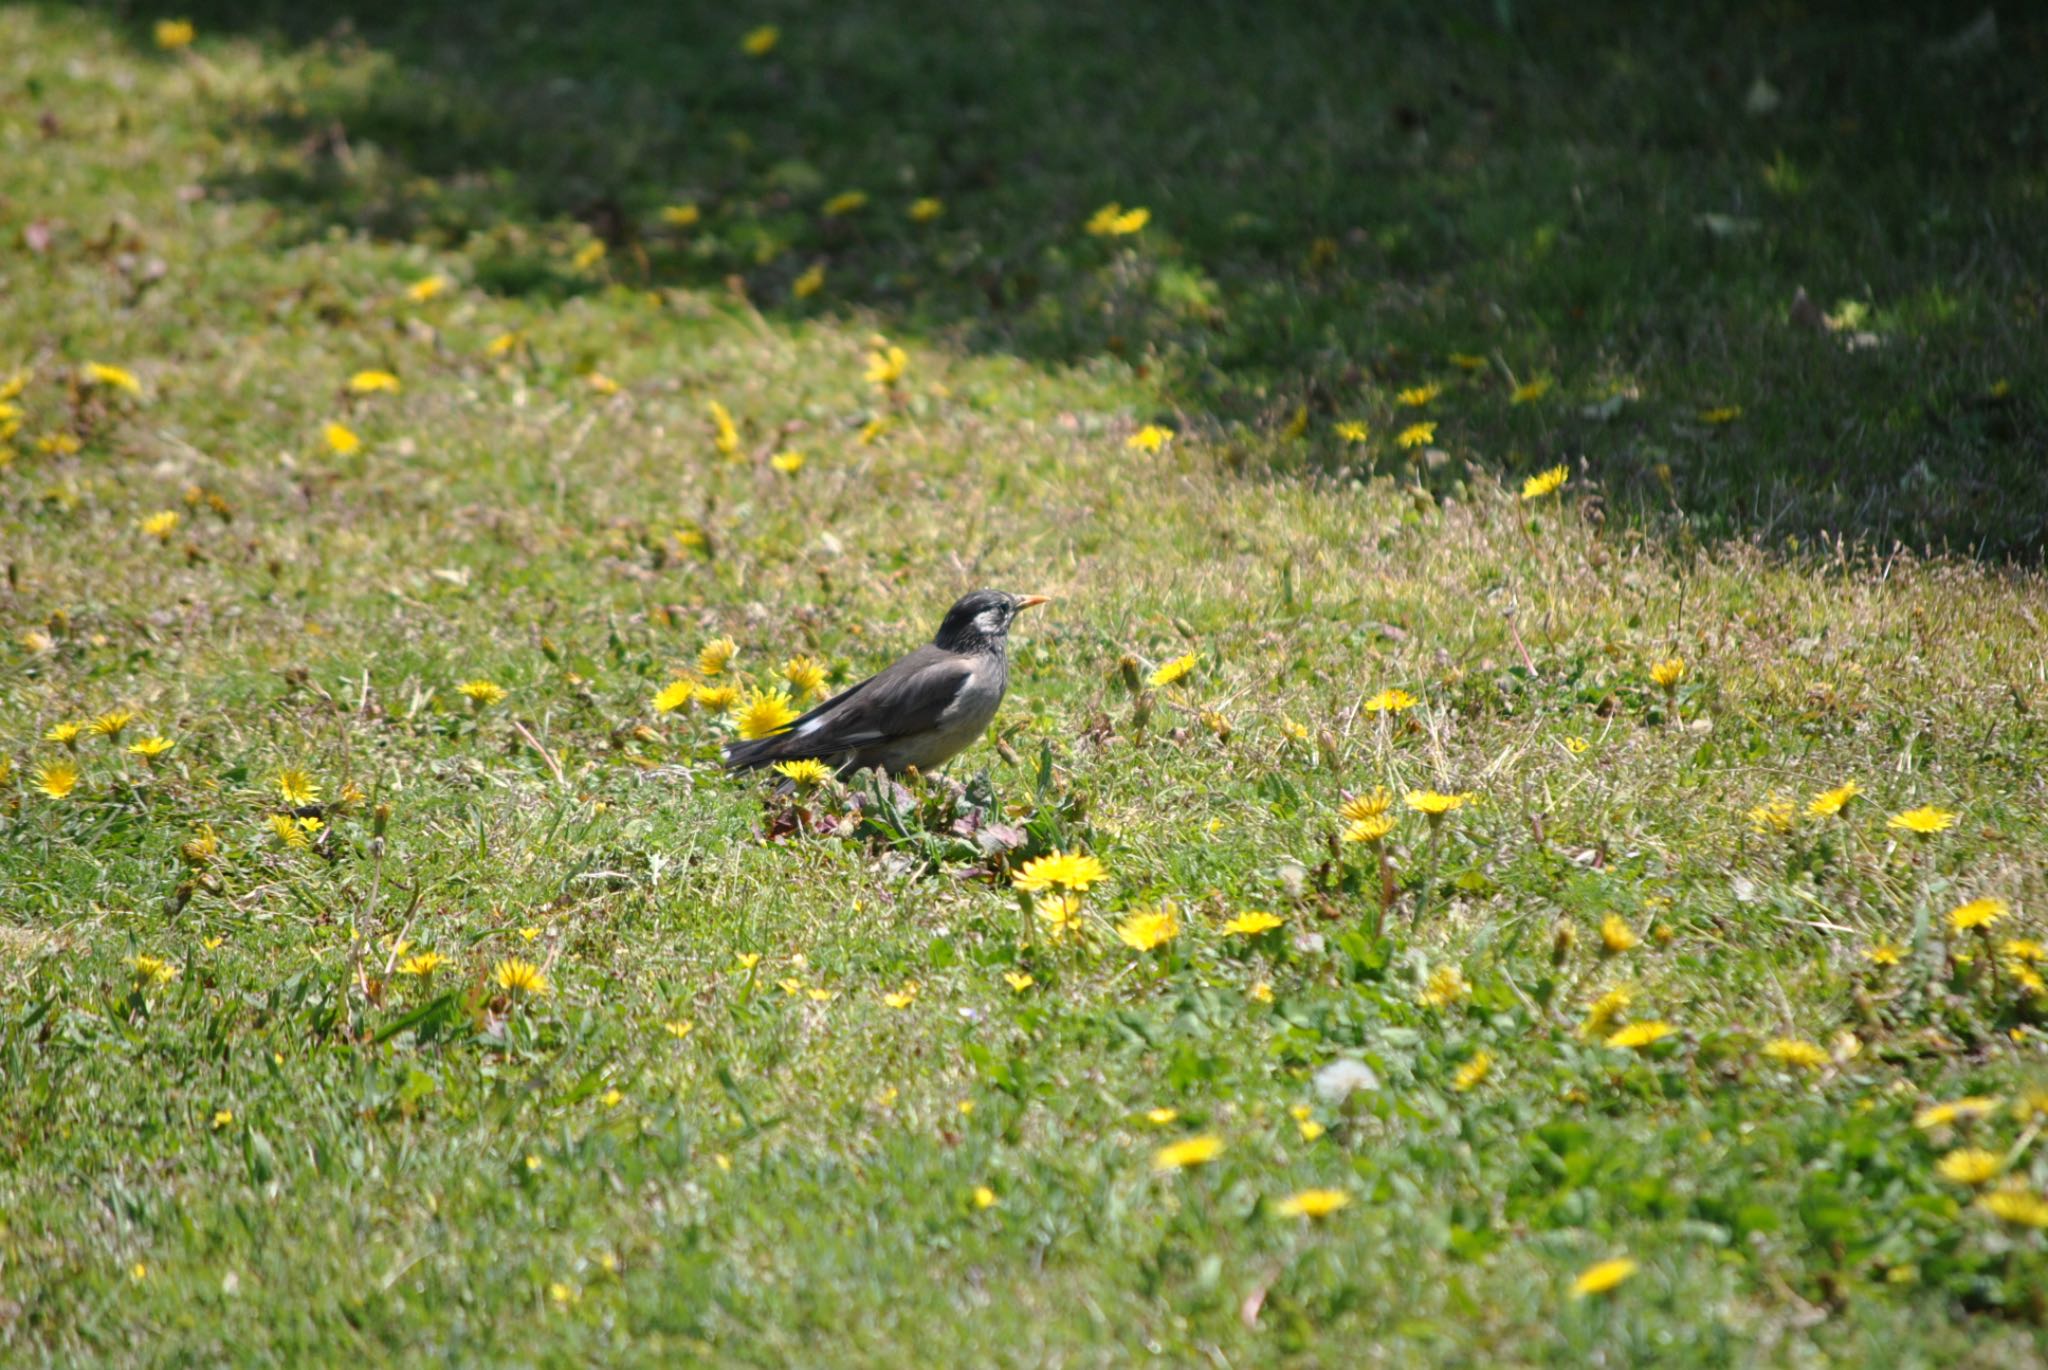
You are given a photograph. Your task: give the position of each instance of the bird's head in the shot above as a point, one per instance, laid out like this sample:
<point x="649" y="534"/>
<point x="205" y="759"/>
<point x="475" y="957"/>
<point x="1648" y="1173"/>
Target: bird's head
<point x="981" y="617"/>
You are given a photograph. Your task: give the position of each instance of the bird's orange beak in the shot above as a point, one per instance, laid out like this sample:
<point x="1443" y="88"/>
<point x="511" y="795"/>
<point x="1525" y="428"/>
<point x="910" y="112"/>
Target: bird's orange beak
<point x="1031" y="601"/>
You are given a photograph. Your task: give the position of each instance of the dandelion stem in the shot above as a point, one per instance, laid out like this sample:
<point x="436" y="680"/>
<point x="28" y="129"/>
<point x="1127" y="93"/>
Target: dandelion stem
<point x="1436" y="837"/>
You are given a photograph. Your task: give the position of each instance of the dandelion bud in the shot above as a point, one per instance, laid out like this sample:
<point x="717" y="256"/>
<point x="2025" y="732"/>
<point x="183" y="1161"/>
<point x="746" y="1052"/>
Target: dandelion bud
<point x="379" y="817"/>
<point x="1127" y="667"/>
<point x="1561" y="939"/>
<point x="1326" y="743"/>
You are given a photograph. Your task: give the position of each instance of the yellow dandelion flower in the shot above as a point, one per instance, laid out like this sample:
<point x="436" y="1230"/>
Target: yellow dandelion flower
<point x="588" y="255"/>
<point x="1311" y="1203"/>
<point x="1605" y="1010"/>
<point x="1473" y="1072"/>
<point x="1192" y="1151"/>
<point x="805" y="774"/>
<point x="2020" y="1207"/>
<point x="57" y="778"/>
<point x="1150" y="438"/>
<point x="1371" y="829"/>
<point x="161" y="524"/>
<point x="761" y="41"/>
<point x="1371" y="804"/>
<point x="1061" y="914"/>
<point x="680" y="216"/>
<point x="805" y="674"/>
<point x="482" y="693"/>
<point x="1114" y="221"/>
<point x="1640" y="1036"/>
<point x="871" y="430"/>
<point x="59" y="444"/>
<point x="983" y="1197"/>
<point x="925" y="209"/>
<point x="1063" y="870"/>
<point x="1251" y="923"/>
<point x="1978" y="913"/>
<point x="1774" y="815"/>
<point x="1390" y="702"/>
<point x="111" y="724"/>
<point x="2024" y="950"/>
<point x="1150" y="929"/>
<point x="902" y="998"/>
<point x="1666" y="674"/>
<point x="1446" y="986"/>
<point x="172" y="34"/>
<point x="1828" y="803"/>
<point x="297" y="786"/>
<point x="150" y="748"/>
<point x="1261" y="993"/>
<point x="678" y="1028"/>
<point x="1416" y="435"/>
<point x="1884" y="954"/>
<point x="373" y="382"/>
<point x="1352" y="431"/>
<point x="422" y="963"/>
<point x="845" y="202"/>
<point x="288" y="831"/>
<point x="1793" y="1051"/>
<point x="1616" y="936"/>
<point x="223" y="1117"/>
<point x="426" y="288"/>
<point x="717" y="699"/>
<point x="1727" y="413"/>
<point x="1969" y="1165"/>
<point x="1467" y="361"/>
<point x="1957" y="1110"/>
<point x="1172" y="671"/>
<point x="1544" y="482"/>
<point x="1530" y="391"/>
<point x="341" y="439"/>
<point x="725" y="435"/>
<point x="1416" y="396"/>
<point x="717" y="654"/>
<point x="1435" y="805"/>
<point x="1160" y="1117"/>
<point x="113" y="377"/>
<point x="504" y="343"/>
<point x="788" y="463"/>
<point x="601" y="383"/>
<point x="153" y="970"/>
<point x="765" y="714"/>
<point x="886" y="364"/>
<point x="810" y="282"/>
<point x="1926" y="820"/>
<point x="1297" y="425"/>
<point x="1018" y="980"/>
<point x="674" y="695"/>
<point x="516" y="976"/>
<point x="1604" y="1277"/>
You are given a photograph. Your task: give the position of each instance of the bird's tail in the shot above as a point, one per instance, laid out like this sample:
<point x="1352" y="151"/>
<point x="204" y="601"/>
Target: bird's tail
<point x="762" y="751"/>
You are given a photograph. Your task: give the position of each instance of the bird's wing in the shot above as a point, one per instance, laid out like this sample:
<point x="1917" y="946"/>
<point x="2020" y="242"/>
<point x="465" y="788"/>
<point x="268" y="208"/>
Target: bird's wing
<point x="903" y="700"/>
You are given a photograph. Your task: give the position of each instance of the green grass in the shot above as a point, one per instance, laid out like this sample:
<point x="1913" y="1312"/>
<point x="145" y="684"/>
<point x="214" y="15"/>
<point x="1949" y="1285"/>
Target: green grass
<point x="285" y="1151"/>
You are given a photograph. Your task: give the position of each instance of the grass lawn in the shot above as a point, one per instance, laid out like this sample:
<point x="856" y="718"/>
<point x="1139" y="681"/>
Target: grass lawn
<point x="425" y="429"/>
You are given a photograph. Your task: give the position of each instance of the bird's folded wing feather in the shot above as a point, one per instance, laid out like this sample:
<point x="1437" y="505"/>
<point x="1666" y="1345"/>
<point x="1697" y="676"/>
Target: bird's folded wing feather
<point x="904" y="700"/>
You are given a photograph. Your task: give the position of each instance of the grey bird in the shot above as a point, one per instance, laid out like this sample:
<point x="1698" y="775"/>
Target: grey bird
<point x="920" y="712"/>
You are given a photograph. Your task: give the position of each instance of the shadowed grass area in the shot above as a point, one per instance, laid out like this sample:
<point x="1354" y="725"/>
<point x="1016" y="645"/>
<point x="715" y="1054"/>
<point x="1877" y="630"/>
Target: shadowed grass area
<point x="1618" y="203"/>
<point x="388" y="971"/>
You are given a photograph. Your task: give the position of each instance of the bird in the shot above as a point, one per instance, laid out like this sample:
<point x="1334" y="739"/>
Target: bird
<point x="922" y="711"/>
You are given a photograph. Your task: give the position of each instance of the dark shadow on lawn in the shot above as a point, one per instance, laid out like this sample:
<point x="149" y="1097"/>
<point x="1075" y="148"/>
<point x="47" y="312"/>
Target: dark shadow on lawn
<point x="1622" y="198"/>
